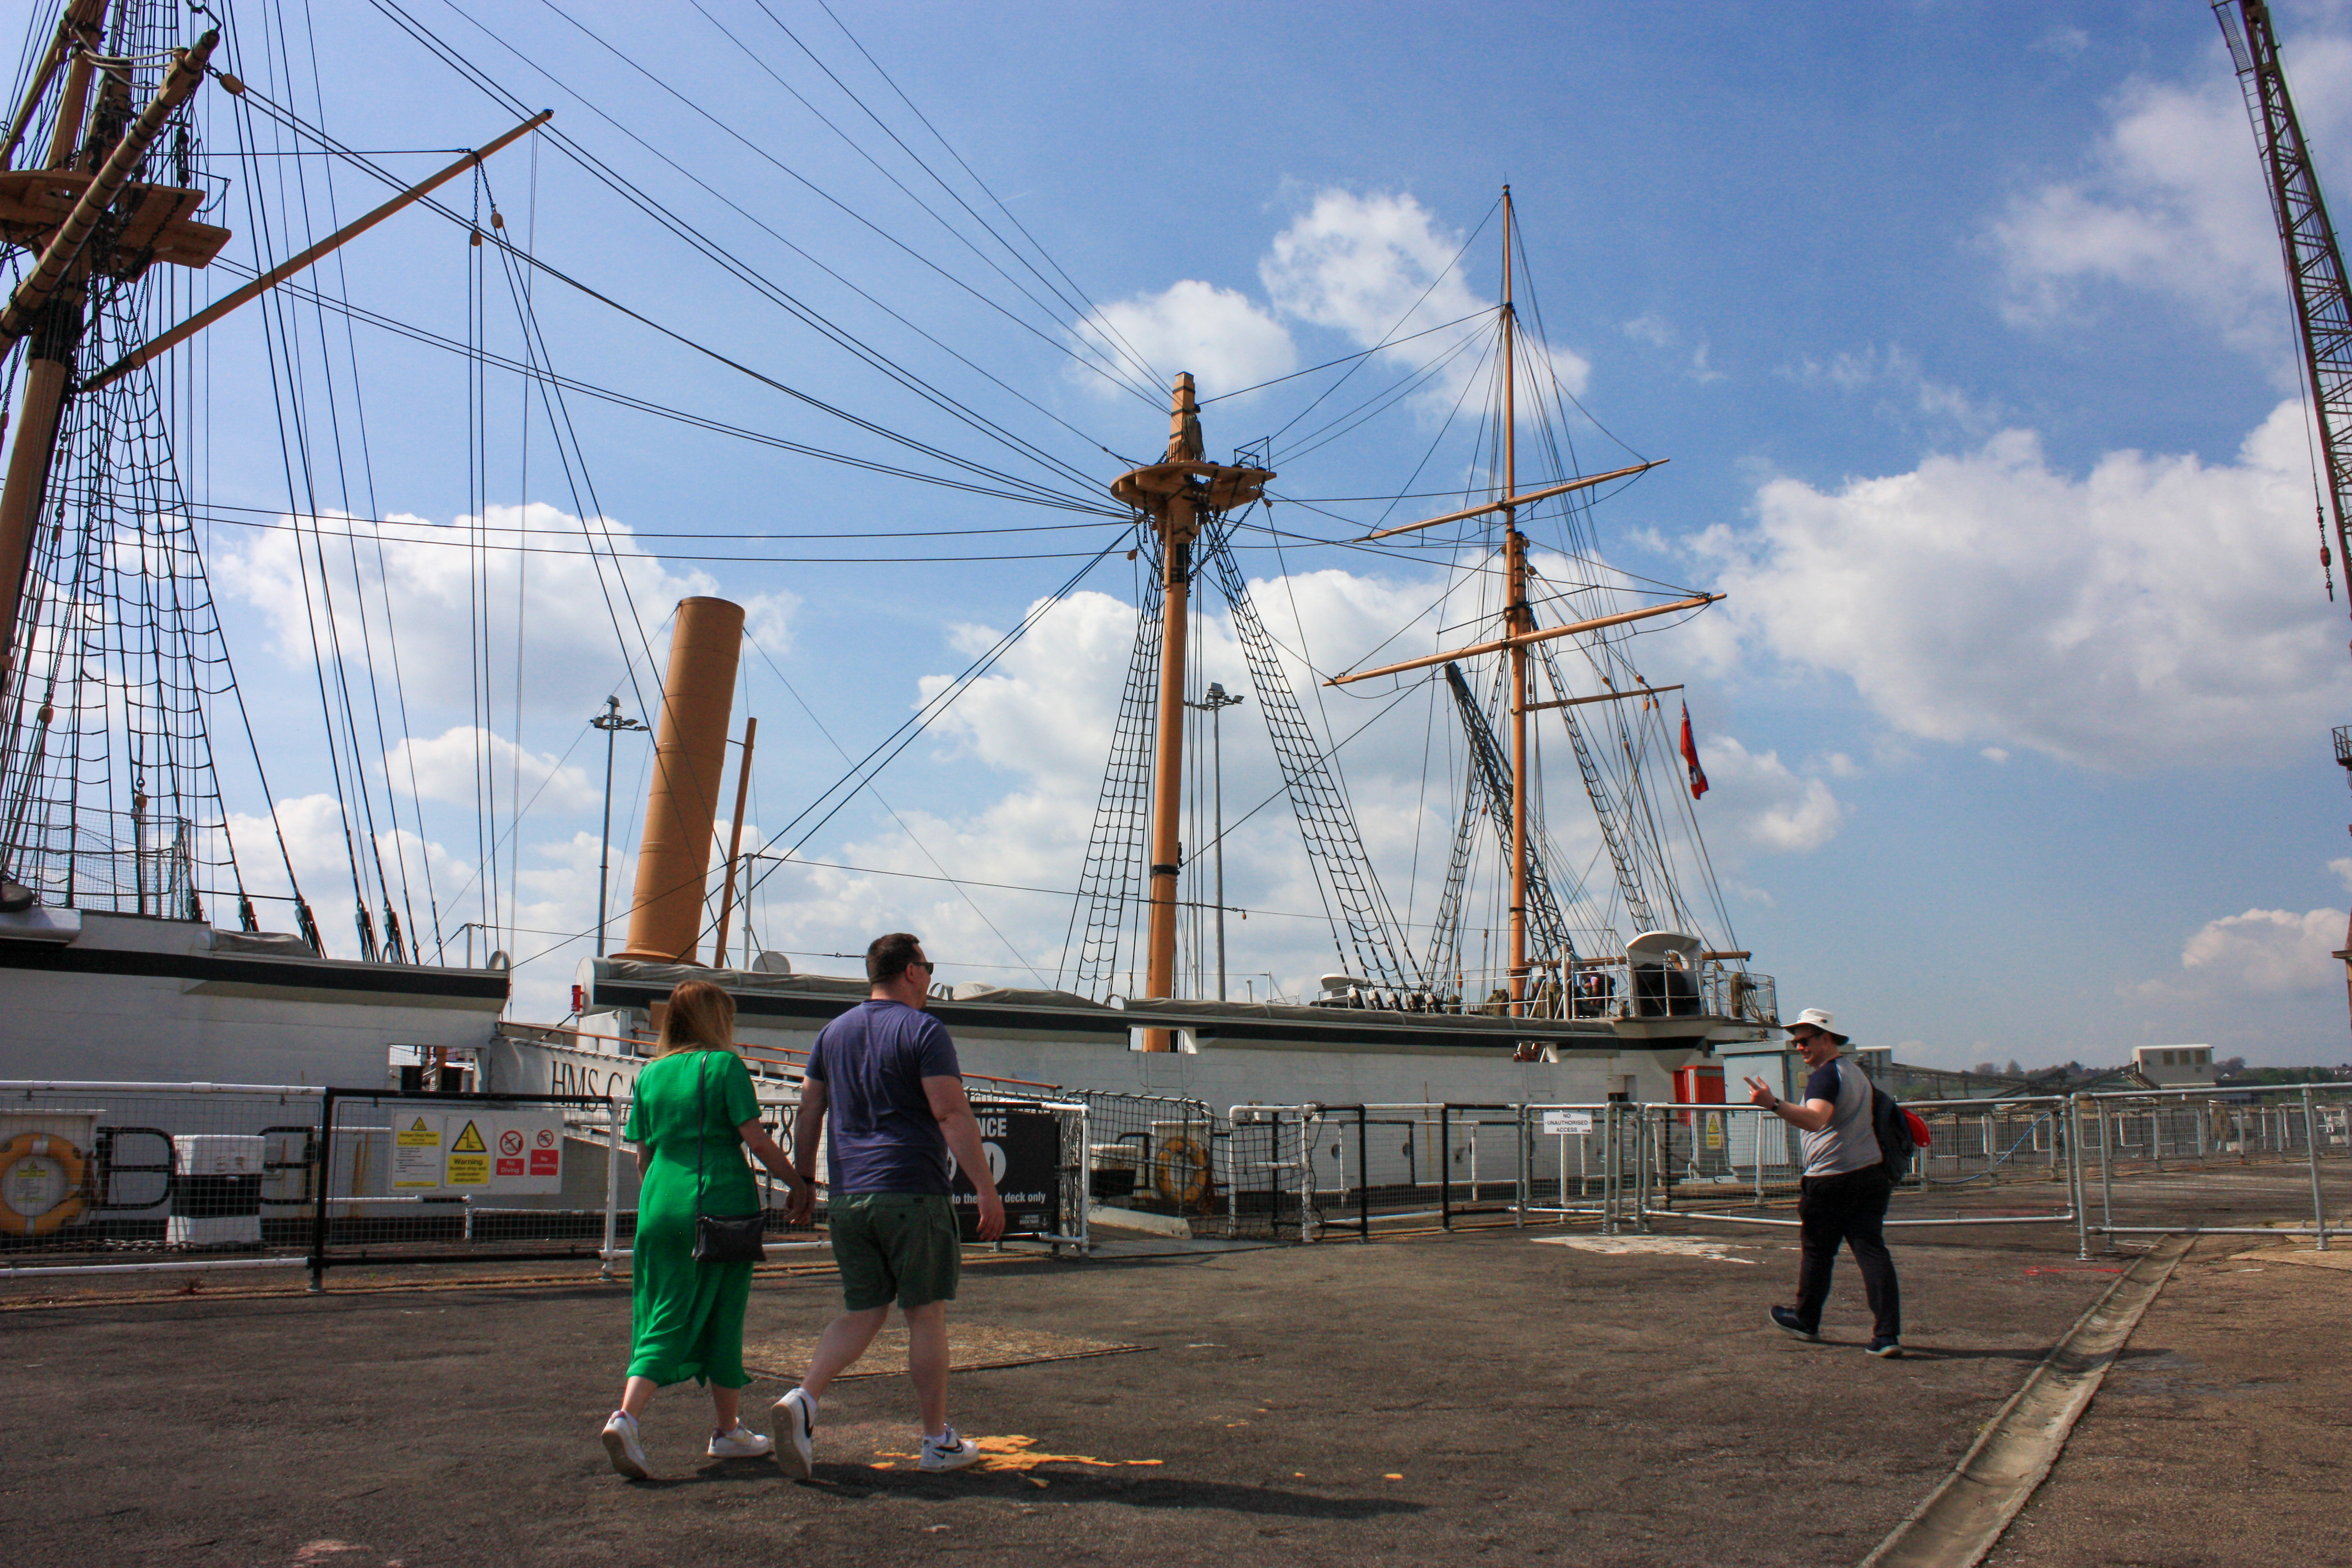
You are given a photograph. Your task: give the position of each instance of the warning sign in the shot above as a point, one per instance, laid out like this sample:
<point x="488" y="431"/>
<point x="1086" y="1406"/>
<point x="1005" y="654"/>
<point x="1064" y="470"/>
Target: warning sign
<point x="517" y="1153"/>
<point x="1567" y="1124"/>
<point x="415" y="1151"/>
<point x="1714" y="1129"/>
<point x="469" y="1158"/>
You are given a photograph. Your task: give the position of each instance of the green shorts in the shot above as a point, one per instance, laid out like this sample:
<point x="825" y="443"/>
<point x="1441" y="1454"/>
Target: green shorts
<point x="894" y="1247"/>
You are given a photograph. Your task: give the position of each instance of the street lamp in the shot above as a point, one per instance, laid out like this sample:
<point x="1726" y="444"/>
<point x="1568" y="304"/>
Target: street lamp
<point x="1213" y="702"/>
<point x="612" y="723"/>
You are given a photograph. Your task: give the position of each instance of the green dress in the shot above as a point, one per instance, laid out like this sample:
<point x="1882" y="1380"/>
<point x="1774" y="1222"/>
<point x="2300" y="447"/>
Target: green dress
<point x="688" y="1317"/>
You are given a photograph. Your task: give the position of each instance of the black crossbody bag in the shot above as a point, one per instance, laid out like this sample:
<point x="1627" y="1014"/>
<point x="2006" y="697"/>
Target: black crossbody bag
<point x="721" y="1238"/>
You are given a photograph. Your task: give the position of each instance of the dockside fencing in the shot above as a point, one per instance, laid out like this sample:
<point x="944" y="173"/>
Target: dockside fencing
<point x="115" y="1178"/>
<point x="102" y="1177"/>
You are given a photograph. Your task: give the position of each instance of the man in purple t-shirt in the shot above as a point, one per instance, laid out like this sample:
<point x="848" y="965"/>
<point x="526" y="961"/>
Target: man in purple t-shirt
<point x="884" y="1087"/>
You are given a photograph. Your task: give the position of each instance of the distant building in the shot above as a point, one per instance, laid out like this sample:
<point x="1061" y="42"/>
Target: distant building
<point x="2175" y="1067"/>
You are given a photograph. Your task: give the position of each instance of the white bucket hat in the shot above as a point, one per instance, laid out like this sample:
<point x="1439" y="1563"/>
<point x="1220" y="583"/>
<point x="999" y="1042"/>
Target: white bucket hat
<point x="1818" y="1019"/>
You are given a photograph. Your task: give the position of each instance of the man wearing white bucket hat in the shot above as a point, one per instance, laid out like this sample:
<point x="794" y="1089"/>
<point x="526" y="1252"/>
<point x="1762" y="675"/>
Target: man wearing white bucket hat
<point x="1845" y="1186"/>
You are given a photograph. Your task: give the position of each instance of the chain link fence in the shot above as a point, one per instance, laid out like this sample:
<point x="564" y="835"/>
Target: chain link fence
<point x="105" y="1178"/>
<point x="115" y="1177"/>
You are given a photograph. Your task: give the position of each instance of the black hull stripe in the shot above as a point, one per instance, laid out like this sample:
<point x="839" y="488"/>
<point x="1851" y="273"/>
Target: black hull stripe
<point x="313" y="975"/>
<point x="1359" y="1031"/>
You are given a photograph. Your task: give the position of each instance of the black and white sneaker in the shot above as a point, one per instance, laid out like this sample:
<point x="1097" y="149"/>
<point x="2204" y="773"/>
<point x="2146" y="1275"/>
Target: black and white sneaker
<point x="948" y="1452"/>
<point x="1885" y="1347"/>
<point x="795" y="1429"/>
<point x="1786" y="1318"/>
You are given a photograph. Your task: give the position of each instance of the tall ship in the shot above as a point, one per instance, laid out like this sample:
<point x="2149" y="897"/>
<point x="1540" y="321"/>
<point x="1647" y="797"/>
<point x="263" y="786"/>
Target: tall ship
<point x="1575" y="947"/>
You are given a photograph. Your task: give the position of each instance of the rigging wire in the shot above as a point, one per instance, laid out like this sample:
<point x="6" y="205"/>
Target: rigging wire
<point x="646" y="406"/>
<point x="743" y="272"/>
<point x="1146" y="390"/>
<point x="1092" y="310"/>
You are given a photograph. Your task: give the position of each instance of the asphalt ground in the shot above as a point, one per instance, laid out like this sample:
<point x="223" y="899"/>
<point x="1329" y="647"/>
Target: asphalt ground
<point x="2220" y="1434"/>
<point x="1421" y="1400"/>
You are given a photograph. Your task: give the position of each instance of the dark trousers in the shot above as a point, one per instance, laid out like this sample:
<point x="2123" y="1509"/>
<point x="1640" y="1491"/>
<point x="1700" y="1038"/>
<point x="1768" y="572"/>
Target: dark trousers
<point x="1849" y="1207"/>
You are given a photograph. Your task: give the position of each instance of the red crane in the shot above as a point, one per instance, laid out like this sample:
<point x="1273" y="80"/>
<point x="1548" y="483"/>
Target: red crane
<point x="2315" y="276"/>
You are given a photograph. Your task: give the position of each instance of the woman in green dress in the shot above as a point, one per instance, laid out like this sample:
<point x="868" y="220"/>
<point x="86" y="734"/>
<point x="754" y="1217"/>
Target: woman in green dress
<point x="693" y="1114"/>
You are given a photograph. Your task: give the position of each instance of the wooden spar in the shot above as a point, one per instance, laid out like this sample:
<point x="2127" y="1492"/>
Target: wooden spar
<point x="689" y="764"/>
<point x="734" y="846"/>
<point x="73" y="102"/>
<point x="82" y="25"/>
<point x="1180" y="526"/>
<point x="55" y="311"/>
<point x="1518" y="619"/>
<point x="1174" y="493"/>
<point x="279" y="274"/>
<point x="1546" y="635"/>
<point x="1510" y="501"/>
<point x="1603" y="697"/>
<point x="65" y="248"/>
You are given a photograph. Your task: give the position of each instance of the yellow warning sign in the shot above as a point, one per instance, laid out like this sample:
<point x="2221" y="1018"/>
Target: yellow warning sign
<point x="1714" y="1129"/>
<point x="469" y="1158"/>
<point x="416" y="1152"/>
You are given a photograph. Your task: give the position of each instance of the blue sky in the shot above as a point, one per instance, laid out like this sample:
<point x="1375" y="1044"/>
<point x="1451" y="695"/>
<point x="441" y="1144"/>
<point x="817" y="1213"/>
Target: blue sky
<point x="1964" y="328"/>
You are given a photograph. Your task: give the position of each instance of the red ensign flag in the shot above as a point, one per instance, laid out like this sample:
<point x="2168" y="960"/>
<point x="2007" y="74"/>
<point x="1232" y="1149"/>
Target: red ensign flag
<point x="1690" y="755"/>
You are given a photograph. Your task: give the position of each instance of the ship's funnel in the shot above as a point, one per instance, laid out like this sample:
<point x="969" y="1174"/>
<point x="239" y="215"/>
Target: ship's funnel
<point x="689" y="755"/>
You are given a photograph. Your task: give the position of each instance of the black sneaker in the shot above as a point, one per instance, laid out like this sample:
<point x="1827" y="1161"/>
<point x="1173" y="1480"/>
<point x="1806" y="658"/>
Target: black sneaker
<point x="1786" y="1318"/>
<point x="1884" y="1346"/>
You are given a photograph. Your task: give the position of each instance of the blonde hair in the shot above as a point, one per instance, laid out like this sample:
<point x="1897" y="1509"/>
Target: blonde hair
<point x="699" y="1017"/>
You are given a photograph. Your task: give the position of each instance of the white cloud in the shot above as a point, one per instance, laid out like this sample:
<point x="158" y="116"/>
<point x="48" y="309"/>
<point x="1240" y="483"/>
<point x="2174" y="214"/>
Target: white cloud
<point x="2173" y="199"/>
<point x="1223" y="338"/>
<point x="1659" y="334"/>
<point x="1651" y="328"/>
<point x="448" y="767"/>
<point x="1995" y="754"/>
<point x="2158" y="610"/>
<point x="2268" y="951"/>
<point x="2343" y="869"/>
<point x="1758" y="802"/>
<point x="1380" y="268"/>
<point x="1906" y="395"/>
<point x="425" y="582"/>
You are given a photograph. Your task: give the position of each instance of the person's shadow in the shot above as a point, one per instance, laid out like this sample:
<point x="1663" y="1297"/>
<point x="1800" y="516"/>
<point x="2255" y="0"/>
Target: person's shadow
<point x="859" y="1482"/>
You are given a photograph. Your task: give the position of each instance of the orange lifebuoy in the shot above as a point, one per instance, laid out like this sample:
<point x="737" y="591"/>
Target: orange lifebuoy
<point x="1180" y="1171"/>
<point x="34" y="1166"/>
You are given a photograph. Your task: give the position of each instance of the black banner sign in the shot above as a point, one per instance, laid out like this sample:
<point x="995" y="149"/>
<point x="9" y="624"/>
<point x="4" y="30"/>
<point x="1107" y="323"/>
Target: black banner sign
<point x="1023" y="1145"/>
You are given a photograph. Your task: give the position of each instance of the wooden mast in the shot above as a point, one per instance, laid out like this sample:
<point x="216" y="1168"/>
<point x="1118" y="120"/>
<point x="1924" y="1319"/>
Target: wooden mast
<point x="1179" y="494"/>
<point x="1517" y="621"/>
<point x="1180" y="524"/>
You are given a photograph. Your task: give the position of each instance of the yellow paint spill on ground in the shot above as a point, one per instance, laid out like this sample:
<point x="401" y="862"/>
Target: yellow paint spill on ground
<point x="1016" y="1452"/>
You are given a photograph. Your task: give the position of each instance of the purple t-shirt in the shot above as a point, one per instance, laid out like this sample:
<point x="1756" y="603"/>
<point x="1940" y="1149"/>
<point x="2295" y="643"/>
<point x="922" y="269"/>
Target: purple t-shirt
<point x="880" y="1134"/>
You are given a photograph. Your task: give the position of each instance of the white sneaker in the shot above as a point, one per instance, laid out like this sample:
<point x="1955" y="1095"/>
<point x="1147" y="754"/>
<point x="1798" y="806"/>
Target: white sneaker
<point x="621" y="1443"/>
<point x="741" y="1444"/>
<point x="948" y="1452"/>
<point x="795" y="1426"/>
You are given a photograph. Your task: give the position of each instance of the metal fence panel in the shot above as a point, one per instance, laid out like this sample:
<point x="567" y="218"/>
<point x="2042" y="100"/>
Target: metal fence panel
<point x="2004" y="1161"/>
<point x="1577" y="1159"/>
<point x="2245" y="1161"/>
<point x="113" y="1175"/>
<point x="458" y="1178"/>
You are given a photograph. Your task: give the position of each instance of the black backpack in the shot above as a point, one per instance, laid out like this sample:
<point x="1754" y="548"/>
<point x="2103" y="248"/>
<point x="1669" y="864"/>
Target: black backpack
<point x="1895" y="1144"/>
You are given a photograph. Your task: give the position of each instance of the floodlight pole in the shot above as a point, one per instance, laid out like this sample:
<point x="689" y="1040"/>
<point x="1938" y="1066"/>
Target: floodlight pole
<point x="612" y="723"/>
<point x="1213" y="702"/>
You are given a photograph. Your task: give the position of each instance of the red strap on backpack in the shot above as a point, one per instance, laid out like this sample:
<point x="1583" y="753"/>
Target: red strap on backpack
<point x="1919" y="1134"/>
